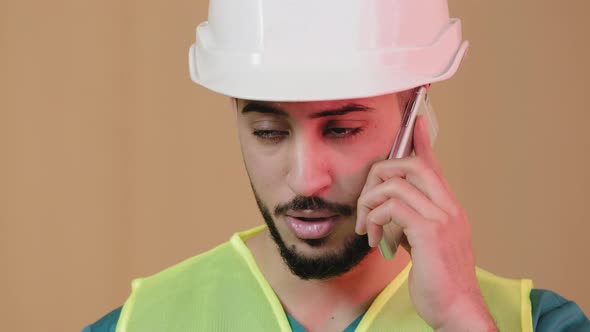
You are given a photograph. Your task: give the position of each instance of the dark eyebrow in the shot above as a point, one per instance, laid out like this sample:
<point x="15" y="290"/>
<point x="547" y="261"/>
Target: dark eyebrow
<point x="348" y="108"/>
<point x="263" y="108"/>
<point x="270" y="109"/>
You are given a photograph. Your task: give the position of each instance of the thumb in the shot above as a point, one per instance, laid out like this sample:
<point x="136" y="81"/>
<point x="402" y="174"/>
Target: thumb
<point x="423" y="148"/>
<point x="422" y="144"/>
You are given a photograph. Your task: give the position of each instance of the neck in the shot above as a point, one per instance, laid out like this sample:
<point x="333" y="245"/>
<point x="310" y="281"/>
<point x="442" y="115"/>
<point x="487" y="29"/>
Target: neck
<point x="317" y="304"/>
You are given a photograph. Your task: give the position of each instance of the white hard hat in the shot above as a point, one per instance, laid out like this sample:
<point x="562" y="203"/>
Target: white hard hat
<point x="304" y="50"/>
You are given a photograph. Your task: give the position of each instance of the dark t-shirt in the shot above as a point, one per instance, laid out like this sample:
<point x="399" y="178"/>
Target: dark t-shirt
<point x="550" y="313"/>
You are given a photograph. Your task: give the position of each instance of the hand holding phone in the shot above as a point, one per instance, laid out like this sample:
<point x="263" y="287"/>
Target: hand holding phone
<point x="411" y="199"/>
<point x="402" y="147"/>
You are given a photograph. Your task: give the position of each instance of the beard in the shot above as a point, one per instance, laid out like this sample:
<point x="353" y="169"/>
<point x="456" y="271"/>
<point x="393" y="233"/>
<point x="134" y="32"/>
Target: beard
<point x="326" y="266"/>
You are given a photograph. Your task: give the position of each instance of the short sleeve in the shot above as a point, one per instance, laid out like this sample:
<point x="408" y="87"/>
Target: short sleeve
<point x="551" y="312"/>
<point x="108" y="323"/>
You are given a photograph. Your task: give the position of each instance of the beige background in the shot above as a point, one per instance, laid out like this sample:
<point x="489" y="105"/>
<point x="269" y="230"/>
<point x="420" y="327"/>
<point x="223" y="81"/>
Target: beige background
<point x="113" y="165"/>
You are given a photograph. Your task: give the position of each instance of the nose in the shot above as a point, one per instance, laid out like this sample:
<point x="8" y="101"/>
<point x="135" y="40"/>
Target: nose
<point x="309" y="169"/>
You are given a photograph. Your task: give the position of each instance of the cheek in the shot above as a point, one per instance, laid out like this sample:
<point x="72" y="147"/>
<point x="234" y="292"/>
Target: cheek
<point x="356" y="164"/>
<point x="375" y="146"/>
<point x="264" y="171"/>
<point x="382" y="141"/>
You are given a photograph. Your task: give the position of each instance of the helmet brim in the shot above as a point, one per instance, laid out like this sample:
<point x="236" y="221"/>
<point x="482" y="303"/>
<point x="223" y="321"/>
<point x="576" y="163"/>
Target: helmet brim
<point x="314" y="77"/>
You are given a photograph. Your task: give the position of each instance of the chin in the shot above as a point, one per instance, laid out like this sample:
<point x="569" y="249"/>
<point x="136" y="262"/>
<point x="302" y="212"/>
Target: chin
<point x="314" y="248"/>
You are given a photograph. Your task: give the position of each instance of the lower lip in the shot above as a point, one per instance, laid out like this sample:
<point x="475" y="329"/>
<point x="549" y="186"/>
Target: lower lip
<point x="311" y="229"/>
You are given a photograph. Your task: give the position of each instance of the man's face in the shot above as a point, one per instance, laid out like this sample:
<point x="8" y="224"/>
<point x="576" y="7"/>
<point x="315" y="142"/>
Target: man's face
<point x="307" y="163"/>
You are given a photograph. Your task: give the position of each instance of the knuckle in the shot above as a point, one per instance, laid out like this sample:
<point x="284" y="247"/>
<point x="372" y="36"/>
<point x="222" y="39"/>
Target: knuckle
<point x="373" y="220"/>
<point x="381" y="167"/>
<point x="456" y="213"/>
<point x="360" y="200"/>
<point x="367" y="201"/>
<point x="392" y="206"/>
<point x="445" y="220"/>
<point x="394" y="184"/>
<point x="362" y="203"/>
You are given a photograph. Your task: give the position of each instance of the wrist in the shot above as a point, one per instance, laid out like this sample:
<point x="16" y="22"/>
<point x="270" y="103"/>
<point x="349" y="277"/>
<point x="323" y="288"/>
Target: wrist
<point x="469" y="316"/>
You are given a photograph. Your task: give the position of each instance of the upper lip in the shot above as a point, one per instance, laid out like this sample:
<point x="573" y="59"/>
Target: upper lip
<point x="310" y="213"/>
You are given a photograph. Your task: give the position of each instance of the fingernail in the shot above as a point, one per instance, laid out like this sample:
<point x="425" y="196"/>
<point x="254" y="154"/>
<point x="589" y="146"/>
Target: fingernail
<point x="371" y="242"/>
<point x="359" y="230"/>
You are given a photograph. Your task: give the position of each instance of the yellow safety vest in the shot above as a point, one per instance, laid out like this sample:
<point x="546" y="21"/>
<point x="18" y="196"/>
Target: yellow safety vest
<point x="223" y="290"/>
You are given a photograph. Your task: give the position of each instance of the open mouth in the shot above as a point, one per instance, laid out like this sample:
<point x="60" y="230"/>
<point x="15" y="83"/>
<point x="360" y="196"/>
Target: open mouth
<point x="314" y="219"/>
<point x="311" y="228"/>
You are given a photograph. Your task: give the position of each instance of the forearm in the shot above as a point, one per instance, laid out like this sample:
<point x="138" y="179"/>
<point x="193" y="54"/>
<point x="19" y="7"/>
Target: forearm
<point x="469" y="317"/>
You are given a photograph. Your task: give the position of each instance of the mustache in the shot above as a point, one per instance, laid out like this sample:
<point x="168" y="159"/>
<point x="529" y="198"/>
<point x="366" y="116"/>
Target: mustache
<point x="313" y="203"/>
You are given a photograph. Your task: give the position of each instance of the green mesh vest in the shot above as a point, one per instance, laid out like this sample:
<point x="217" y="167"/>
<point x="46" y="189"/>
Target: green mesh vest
<point x="223" y="290"/>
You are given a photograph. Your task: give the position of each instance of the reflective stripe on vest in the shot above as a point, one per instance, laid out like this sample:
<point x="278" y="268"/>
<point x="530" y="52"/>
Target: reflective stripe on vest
<point x="223" y="290"/>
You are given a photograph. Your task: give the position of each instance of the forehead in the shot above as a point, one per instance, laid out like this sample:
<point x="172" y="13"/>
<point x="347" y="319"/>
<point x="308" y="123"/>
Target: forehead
<point x="321" y="105"/>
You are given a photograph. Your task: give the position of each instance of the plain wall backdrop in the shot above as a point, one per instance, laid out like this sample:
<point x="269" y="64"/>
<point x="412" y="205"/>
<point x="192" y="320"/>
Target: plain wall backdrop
<point x="114" y="165"/>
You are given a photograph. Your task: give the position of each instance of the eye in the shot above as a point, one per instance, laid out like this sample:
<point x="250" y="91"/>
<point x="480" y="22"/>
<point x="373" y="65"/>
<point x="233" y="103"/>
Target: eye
<point x="342" y="132"/>
<point x="270" y="135"/>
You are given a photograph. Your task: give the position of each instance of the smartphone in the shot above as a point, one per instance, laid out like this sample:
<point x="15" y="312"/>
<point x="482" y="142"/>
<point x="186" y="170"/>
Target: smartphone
<point x="419" y="104"/>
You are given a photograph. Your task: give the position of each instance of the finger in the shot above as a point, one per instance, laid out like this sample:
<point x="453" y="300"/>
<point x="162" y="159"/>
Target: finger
<point x="382" y="170"/>
<point x="375" y="235"/>
<point x="422" y="144"/>
<point x="395" y="187"/>
<point x="396" y="211"/>
<point x="417" y="172"/>
<point x="423" y="148"/>
<point x="405" y="244"/>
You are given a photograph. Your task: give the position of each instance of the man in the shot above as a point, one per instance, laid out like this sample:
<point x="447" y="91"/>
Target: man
<point x="319" y="90"/>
